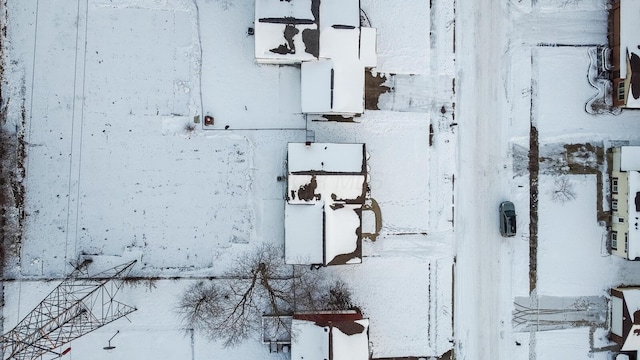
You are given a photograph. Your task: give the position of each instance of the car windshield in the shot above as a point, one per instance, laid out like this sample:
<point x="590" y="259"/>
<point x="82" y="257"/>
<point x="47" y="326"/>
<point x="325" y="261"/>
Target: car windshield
<point x="511" y="220"/>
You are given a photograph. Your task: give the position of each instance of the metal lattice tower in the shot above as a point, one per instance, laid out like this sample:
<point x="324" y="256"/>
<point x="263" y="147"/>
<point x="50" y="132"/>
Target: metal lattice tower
<point x="79" y="305"/>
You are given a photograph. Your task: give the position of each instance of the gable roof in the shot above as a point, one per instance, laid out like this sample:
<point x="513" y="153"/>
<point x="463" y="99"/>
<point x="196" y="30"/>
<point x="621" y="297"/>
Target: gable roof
<point x="325" y="37"/>
<point x="630" y="49"/>
<point x="631" y="299"/>
<point x="342" y="337"/>
<point x="325" y="194"/>
<point x="632" y="342"/>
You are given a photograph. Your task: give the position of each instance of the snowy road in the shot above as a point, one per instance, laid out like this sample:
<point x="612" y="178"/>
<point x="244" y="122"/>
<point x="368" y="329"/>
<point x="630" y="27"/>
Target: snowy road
<point x="483" y="268"/>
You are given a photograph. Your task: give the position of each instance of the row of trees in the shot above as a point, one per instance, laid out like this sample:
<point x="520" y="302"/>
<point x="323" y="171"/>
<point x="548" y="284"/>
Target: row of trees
<point x="229" y="308"/>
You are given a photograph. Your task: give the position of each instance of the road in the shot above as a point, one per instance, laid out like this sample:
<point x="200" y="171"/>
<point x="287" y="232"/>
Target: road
<point x="483" y="280"/>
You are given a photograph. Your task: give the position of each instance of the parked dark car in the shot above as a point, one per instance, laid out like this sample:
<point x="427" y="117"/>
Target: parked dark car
<point x="507" y="214"/>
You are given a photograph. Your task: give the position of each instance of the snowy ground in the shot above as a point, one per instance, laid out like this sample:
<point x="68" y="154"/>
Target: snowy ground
<point x="115" y="170"/>
<point x="533" y="74"/>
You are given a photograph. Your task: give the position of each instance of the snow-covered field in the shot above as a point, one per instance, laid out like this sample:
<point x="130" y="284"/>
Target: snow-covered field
<point x="117" y="171"/>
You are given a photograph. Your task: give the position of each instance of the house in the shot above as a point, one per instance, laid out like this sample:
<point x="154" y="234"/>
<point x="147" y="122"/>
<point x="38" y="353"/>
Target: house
<point x="625" y="318"/>
<point x="336" y="335"/>
<point x="625" y="202"/>
<point x="326" y="187"/>
<point x="624" y="42"/>
<point x="325" y="38"/>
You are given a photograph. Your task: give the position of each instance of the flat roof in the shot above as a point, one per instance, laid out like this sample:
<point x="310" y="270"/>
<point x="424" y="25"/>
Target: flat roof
<point x="325" y="195"/>
<point x="309" y="341"/>
<point x="303" y="226"/>
<point x="337" y="227"/>
<point x="339" y="12"/>
<point x="632" y="342"/>
<point x="272" y="47"/>
<point x="629" y="158"/>
<point x="342" y="224"/>
<point x="633" y="217"/>
<point x="352" y="346"/>
<point x="631" y="299"/>
<point x="330" y="44"/>
<point x="329" y="86"/>
<point x="277" y="9"/>
<point x="316" y="78"/>
<point x="326" y="157"/>
<point x="347" y="340"/>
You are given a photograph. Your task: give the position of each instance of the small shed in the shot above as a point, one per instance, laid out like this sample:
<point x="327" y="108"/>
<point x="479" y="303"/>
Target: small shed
<point x="326" y="186"/>
<point x="336" y="335"/>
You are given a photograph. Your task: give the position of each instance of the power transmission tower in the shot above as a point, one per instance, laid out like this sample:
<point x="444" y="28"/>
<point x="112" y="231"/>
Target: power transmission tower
<point x="79" y="305"/>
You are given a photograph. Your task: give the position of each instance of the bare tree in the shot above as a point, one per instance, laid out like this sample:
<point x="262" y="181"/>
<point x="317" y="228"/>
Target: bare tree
<point x="229" y="309"/>
<point x="563" y="190"/>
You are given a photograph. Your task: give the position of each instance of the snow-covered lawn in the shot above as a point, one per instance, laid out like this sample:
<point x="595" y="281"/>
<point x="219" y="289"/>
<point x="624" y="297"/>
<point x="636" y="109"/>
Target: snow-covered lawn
<point x="118" y="170"/>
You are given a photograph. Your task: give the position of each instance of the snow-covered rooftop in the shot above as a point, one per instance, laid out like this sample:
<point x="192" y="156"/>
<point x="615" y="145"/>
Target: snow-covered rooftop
<point x="632" y="342"/>
<point x="285" y="31"/>
<point x="631" y="299"/>
<point x="325" y="194"/>
<point x="318" y="157"/>
<point x="339" y="12"/>
<point x="309" y="341"/>
<point x="629" y="158"/>
<point x="629" y="43"/>
<point x="634" y="215"/>
<point x="351" y="346"/>
<point x="304" y="223"/>
<point x="328" y="41"/>
<point x="347" y="340"/>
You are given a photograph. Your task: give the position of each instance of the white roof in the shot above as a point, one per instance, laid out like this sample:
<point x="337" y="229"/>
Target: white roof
<point x="332" y="81"/>
<point x="325" y="192"/>
<point x="303" y="228"/>
<point x="368" y="48"/>
<point x="629" y="158"/>
<point x="309" y="341"/>
<point x="629" y="40"/>
<point x="269" y="32"/>
<point x="278" y="9"/>
<point x="315" y="86"/>
<point x="330" y="189"/>
<point x="629" y="31"/>
<point x="631" y="299"/>
<point x="335" y="87"/>
<point x="351" y="347"/>
<point x="269" y="36"/>
<point x="325" y="157"/>
<point x="632" y="342"/>
<point x="348" y="88"/>
<point x="341" y="45"/>
<point x="339" y="12"/>
<point x="341" y="235"/>
<point x="617" y="311"/>
<point x="339" y="220"/>
<point x="634" y="216"/>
